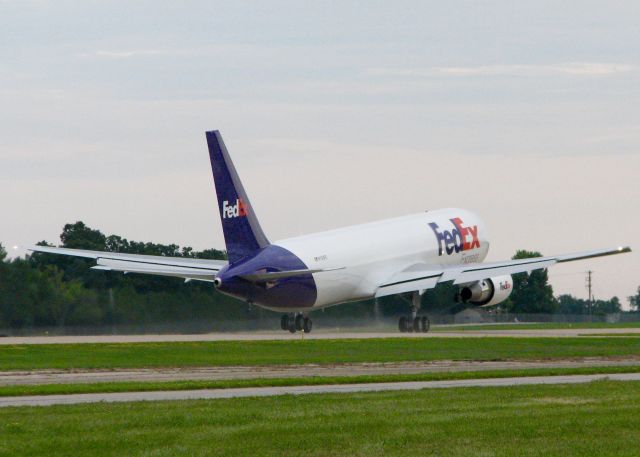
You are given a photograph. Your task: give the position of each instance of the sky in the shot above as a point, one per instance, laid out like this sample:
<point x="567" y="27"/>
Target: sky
<point x="335" y="113"/>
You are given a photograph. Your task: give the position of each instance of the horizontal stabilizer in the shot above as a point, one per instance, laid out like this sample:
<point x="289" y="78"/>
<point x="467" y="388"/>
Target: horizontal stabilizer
<point x="273" y="275"/>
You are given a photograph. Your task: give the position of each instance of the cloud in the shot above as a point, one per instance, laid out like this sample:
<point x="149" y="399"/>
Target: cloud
<point x="123" y="54"/>
<point x="570" y="69"/>
<point x="234" y="50"/>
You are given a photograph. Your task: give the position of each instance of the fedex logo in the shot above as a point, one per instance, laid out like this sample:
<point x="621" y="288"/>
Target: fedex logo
<point x="231" y="211"/>
<point x="461" y="238"/>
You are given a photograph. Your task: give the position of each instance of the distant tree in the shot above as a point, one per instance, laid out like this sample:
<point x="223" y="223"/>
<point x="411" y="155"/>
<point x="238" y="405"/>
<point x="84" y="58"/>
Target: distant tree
<point x="214" y="254"/>
<point x="52" y="290"/>
<point x="25" y="295"/>
<point x="531" y="292"/>
<point x="441" y="299"/>
<point x="115" y="243"/>
<point x="75" y="236"/>
<point x="568" y="304"/>
<point x="602" y="307"/>
<point x="79" y="236"/>
<point x="3" y="280"/>
<point x="634" y="300"/>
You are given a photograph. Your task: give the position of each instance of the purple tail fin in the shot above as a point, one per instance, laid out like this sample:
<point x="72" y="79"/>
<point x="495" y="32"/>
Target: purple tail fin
<point x="242" y="232"/>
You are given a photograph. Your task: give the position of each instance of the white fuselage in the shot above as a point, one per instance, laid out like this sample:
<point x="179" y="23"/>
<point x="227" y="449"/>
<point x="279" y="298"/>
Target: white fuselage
<point x="367" y="255"/>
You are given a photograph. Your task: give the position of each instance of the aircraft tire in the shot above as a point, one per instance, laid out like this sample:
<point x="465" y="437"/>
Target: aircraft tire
<point x="308" y="325"/>
<point x="409" y="324"/>
<point x="299" y="322"/>
<point x="416" y="325"/>
<point x="291" y="324"/>
<point x="426" y="324"/>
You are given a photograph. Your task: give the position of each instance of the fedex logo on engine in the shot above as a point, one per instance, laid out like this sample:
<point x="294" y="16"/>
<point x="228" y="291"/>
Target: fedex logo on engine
<point x="460" y="238"/>
<point x="231" y="211"/>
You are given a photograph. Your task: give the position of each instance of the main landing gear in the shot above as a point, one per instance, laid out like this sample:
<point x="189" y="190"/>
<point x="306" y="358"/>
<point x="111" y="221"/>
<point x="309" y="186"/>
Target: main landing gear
<point x="413" y="322"/>
<point x="295" y="323"/>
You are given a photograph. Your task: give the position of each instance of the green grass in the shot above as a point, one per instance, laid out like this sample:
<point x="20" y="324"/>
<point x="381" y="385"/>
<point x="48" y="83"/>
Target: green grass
<point x="534" y="326"/>
<point x="225" y="353"/>
<point x="601" y="418"/>
<point x="146" y="386"/>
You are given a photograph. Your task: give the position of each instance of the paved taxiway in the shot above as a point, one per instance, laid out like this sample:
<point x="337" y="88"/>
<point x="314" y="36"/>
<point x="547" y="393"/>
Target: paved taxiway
<point x="48" y="400"/>
<point x="316" y="335"/>
<point x="35" y="377"/>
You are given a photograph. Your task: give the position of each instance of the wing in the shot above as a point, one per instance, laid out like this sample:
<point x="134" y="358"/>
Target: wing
<point x="197" y="269"/>
<point x="423" y="276"/>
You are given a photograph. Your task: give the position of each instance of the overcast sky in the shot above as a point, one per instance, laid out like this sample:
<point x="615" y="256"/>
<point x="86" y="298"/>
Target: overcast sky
<point x="335" y="113"/>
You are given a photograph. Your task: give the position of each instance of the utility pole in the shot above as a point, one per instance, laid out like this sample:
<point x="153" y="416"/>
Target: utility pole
<point x="590" y="295"/>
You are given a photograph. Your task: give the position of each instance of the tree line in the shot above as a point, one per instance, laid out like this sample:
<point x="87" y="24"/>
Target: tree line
<point x="44" y="290"/>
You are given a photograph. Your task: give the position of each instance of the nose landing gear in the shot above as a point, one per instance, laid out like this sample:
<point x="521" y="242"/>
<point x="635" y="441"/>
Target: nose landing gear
<point x="295" y="323"/>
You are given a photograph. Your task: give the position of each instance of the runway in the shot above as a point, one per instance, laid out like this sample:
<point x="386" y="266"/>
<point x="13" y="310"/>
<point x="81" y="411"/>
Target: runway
<point x="212" y="394"/>
<point x="316" y="335"/>
<point x="35" y="377"/>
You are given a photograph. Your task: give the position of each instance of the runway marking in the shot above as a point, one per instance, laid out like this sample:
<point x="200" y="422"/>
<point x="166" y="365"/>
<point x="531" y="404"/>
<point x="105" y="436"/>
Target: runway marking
<point x="211" y="394"/>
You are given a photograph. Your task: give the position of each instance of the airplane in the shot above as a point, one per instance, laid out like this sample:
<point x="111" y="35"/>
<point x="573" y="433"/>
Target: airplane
<point x="404" y="255"/>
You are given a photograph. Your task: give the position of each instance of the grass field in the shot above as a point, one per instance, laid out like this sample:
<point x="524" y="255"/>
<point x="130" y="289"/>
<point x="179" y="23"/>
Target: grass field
<point x="225" y="353"/>
<point x="534" y="326"/>
<point x="146" y="386"/>
<point x="601" y="418"/>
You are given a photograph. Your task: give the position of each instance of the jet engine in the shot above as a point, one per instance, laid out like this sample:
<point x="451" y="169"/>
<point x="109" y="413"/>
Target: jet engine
<point x="487" y="292"/>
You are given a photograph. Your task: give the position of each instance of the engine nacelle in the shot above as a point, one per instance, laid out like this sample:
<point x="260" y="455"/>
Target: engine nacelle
<point x="487" y="292"/>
